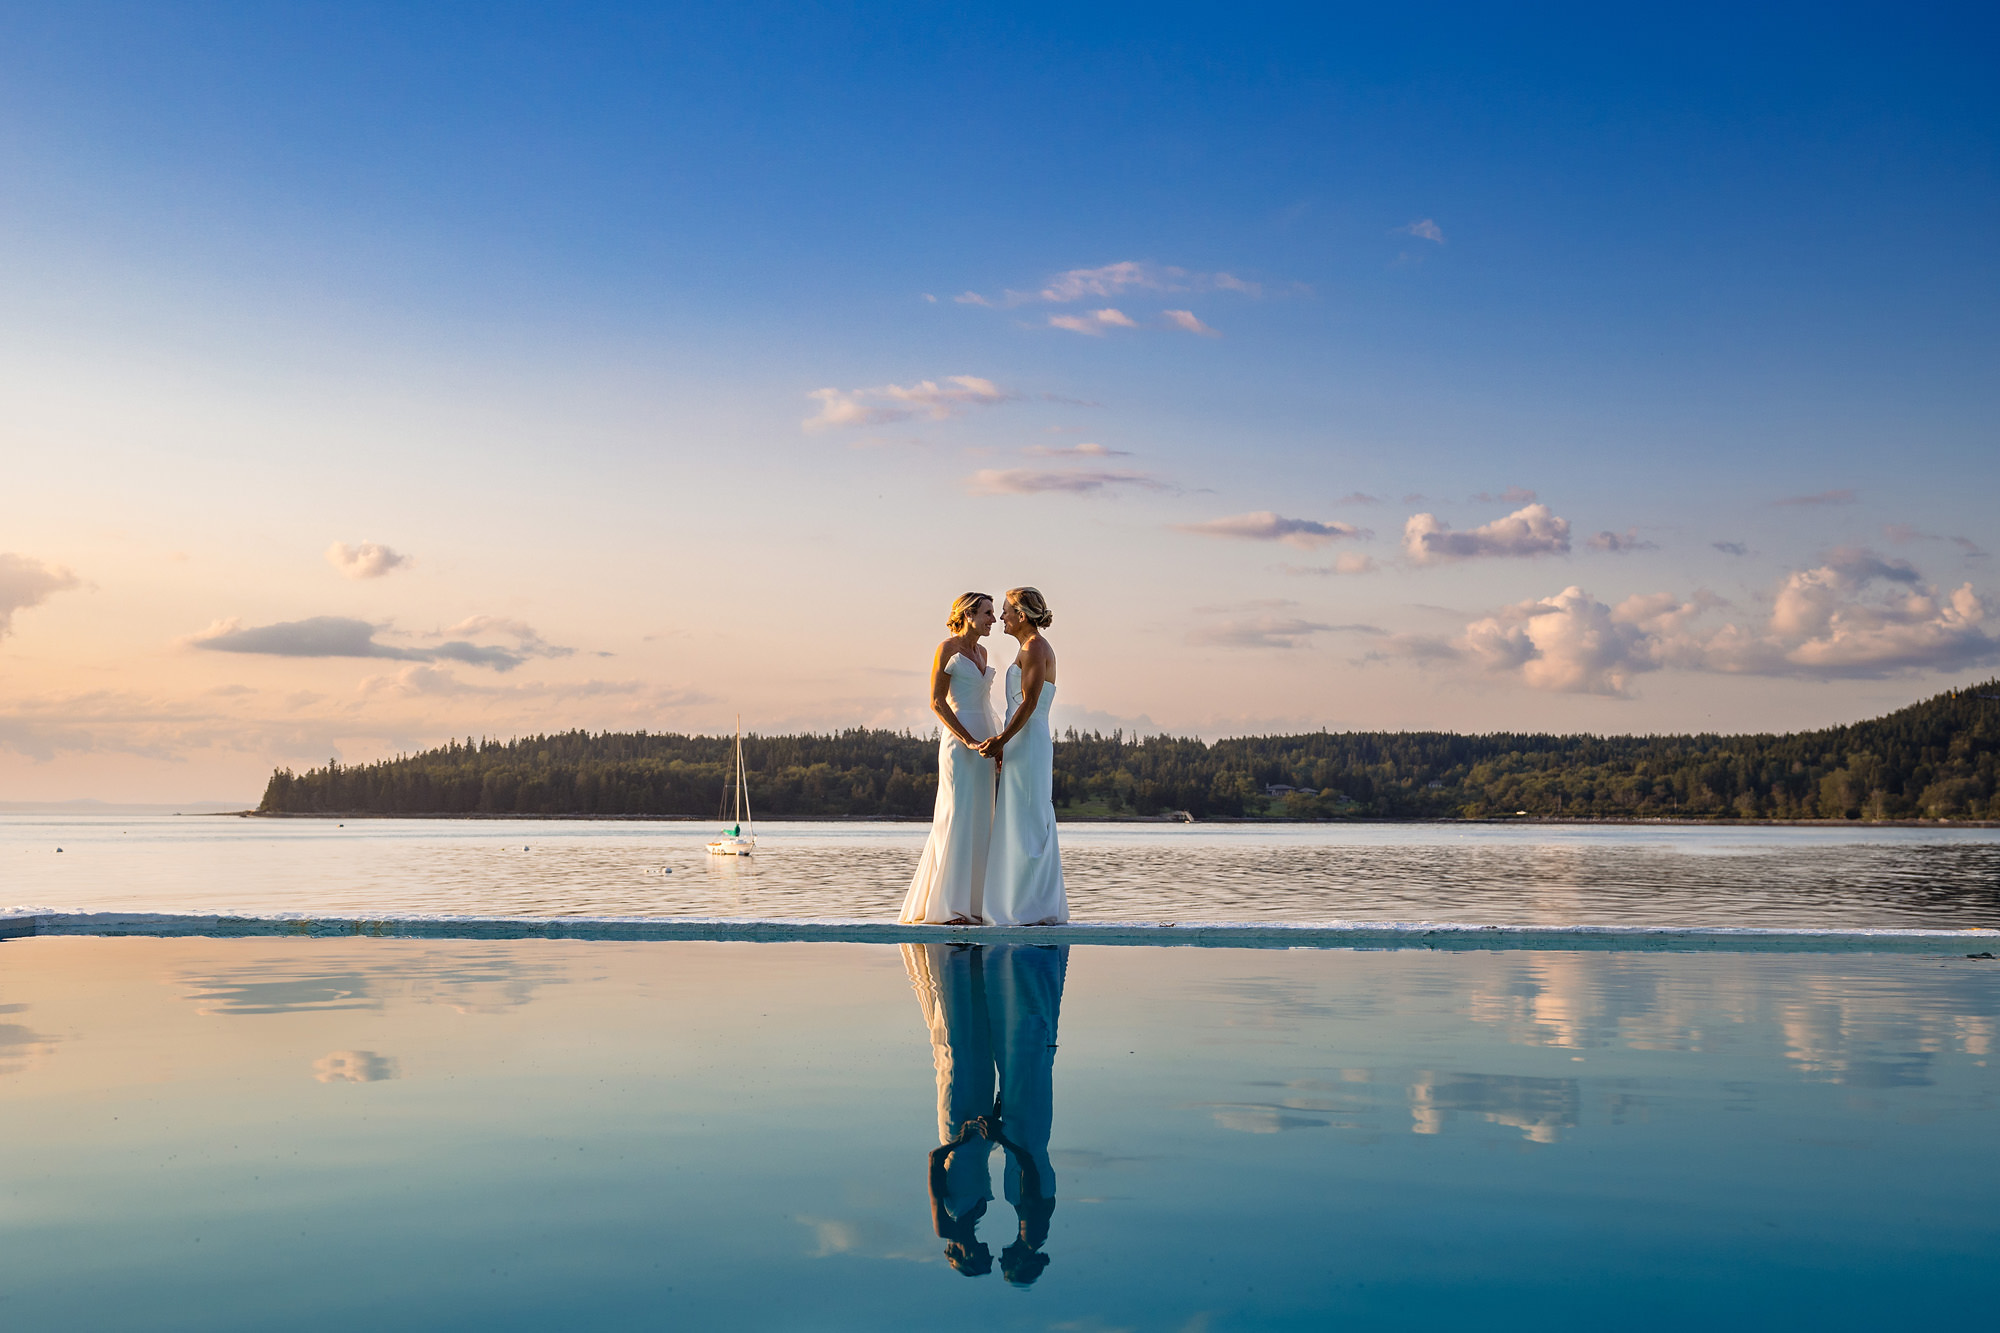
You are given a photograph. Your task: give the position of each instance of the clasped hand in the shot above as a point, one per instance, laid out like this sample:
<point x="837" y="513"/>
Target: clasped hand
<point x="990" y="748"/>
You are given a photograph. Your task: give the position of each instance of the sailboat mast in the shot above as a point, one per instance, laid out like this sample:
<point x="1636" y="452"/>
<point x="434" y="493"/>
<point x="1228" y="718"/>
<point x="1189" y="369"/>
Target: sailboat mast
<point x="739" y="768"/>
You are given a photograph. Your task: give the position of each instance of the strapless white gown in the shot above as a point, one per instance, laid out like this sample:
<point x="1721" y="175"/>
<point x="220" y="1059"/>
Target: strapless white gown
<point x="1024" y="879"/>
<point x="951" y="878"/>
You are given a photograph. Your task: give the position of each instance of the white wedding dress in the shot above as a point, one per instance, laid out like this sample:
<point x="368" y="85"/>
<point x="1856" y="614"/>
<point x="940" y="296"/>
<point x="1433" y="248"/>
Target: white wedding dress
<point x="1024" y="879"/>
<point x="951" y="878"/>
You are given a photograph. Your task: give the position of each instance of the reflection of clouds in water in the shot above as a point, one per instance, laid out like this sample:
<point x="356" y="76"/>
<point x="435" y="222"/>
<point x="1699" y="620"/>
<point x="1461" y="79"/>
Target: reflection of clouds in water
<point x="355" y="1067"/>
<point x="21" y="1047"/>
<point x="1311" y="1100"/>
<point x="469" y="979"/>
<point x="1539" y="1107"/>
<point x="1252" y="1119"/>
<point x="1867" y="1023"/>
<point x="279" y="995"/>
<point x="1875" y="1028"/>
<point x="866" y="1238"/>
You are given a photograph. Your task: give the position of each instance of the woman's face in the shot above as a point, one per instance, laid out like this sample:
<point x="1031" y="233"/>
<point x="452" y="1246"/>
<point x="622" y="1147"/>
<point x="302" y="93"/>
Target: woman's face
<point x="1011" y="618"/>
<point x="982" y="618"/>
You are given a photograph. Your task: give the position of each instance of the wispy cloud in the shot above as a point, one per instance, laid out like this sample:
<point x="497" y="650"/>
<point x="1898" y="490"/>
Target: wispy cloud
<point x="369" y="560"/>
<point x="1265" y="526"/>
<point x="525" y="636"/>
<point x="1513" y="495"/>
<point x="1613" y="542"/>
<point x="1086" y="450"/>
<point x="343" y="636"/>
<point x="1903" y="533"/>
<point x="1813" y="501"/>
<point x="1731" y="548"/>
<point x="1094" y="322"/>
<point x="902" y="402"/>
<point x="1185" y="320"/>
<point x="1424" y="229"/>
<point x="1024" y="481"/>
<point x="27" y="582"/>
<point x="1108" y="281"/>
<point x="1530" y="530"/>
<point x="1358" y="498"/>
<point x="1263" y="623"/>
<point x="1348" y="562"/>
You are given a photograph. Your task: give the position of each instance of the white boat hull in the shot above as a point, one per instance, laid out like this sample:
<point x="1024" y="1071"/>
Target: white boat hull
<point x="731" y="846"/>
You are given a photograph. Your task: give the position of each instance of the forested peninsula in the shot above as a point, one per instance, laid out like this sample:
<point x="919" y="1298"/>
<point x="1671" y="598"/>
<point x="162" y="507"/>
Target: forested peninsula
<point x="1932" y="760"/>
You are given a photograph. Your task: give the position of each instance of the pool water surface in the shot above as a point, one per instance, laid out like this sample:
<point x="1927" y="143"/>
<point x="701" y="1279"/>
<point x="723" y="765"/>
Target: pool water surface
<point x="385" y="1134"/>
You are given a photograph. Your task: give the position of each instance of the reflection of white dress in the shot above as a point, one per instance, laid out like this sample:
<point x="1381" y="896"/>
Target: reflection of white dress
<point x="992" y="1012"/>
<point x="1024" y="879"/>
<point x="951" y="877"/>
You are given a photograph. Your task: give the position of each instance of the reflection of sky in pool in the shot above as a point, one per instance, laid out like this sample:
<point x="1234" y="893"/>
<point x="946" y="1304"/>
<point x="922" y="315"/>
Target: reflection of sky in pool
<point x="250" y="1134"/>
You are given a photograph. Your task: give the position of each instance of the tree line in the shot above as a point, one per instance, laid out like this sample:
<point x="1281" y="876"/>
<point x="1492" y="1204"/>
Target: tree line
<point x="1934" y="759"/>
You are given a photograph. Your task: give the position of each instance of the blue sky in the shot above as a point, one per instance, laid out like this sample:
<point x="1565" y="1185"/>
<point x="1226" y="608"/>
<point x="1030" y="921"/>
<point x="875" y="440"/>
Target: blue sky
<point x="541" y="297"/>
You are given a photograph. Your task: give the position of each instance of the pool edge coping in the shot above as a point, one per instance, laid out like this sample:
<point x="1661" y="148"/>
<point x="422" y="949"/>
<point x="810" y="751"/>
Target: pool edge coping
<point x="1338" y="934"/>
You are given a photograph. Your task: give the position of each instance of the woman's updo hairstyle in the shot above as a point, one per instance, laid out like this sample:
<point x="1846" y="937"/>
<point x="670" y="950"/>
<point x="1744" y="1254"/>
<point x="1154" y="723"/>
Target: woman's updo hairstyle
<point x="964" y="609"/>
<point x="1033" y="605"/>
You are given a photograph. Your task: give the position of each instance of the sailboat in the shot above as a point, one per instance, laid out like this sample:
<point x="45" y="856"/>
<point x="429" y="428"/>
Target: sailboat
<point x="733" y="842"/>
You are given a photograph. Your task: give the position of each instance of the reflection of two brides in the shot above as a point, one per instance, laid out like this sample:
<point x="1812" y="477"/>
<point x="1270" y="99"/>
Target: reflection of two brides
<point x="992" y="857"/>
<point x="992" y="1014"/>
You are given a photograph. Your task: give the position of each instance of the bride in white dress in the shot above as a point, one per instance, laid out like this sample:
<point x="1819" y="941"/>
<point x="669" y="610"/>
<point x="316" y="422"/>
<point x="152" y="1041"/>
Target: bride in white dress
<point x="1024" y="879"/>
<point x="948" y="888"/>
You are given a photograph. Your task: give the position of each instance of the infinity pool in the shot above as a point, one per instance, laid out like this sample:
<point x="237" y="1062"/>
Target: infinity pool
<point x="384" y="1134"/>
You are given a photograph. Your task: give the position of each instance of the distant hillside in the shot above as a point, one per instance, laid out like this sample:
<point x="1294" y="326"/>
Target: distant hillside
<point x="1935" y="759"/>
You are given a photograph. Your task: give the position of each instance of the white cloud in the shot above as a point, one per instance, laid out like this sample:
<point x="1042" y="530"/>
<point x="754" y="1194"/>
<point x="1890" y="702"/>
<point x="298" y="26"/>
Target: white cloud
<point x="901" y="402"/>
<point x="1185" y="319"/>
<point x="1094" y="322"/>
<point x="1858" y="617"/>
<point x="1024" y="481"/>
<point x="1423" y="229"/>
<point x="1265" y="526"/>
<point x="26" y="582"/>
<point x="1530" y="530"/>
<point x="369" y="560"/>
<point x="1570" y="642"/>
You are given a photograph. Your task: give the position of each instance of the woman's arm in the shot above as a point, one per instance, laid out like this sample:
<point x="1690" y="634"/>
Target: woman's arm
<point x="941" y="695"/>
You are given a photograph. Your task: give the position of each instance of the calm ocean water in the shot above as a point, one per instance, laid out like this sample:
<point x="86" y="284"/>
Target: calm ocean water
<point x="1497" y="874"/>
<point x="339" y="1134"/>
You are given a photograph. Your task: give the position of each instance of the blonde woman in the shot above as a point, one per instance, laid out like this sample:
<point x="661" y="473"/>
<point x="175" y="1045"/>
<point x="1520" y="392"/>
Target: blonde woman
<point x="1024" y="879"/>
<point x="950" y="882"/>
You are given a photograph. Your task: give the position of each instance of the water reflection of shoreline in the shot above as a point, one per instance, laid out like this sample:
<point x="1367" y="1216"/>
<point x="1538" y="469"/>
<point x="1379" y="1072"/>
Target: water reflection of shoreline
<point x="992" y="1013"/>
